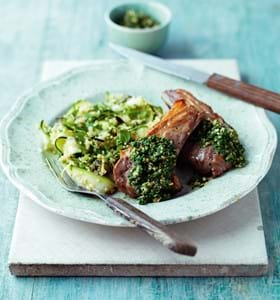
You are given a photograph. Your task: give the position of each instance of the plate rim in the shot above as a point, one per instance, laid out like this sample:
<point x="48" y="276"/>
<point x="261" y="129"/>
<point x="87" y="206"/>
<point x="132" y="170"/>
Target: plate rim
<point x="35" y="195"/>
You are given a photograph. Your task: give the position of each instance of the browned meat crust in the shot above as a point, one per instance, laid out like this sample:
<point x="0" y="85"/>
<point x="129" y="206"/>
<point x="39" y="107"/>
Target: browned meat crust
<point x="177" y="183"/>
<point x="121" y="172"/>
<point x="204" y="160"/>
<point x="178" y="124"/>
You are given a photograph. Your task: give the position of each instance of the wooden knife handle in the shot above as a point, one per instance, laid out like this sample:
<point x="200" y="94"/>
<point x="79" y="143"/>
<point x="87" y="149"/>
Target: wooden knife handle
<point x="246" y="92"/>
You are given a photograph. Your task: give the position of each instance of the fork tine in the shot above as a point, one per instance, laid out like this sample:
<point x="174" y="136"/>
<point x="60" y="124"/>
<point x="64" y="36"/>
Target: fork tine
<point x="58" y="171"/>
<point x="53" y="168"/>
<point x="58" y="166"/>
<point x="62" y="174"/>
<point x="68" y="179"/>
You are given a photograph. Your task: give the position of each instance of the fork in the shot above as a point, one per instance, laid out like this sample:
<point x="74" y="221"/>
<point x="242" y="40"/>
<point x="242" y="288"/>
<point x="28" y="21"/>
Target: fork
<point x="135" y="216"/>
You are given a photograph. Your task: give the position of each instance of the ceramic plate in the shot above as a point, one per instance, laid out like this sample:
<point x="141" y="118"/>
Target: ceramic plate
<point x="21" y="141"/>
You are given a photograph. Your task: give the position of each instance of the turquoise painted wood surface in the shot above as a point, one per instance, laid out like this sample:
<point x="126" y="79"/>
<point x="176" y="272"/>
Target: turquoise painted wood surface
<point x="32" y="31"/>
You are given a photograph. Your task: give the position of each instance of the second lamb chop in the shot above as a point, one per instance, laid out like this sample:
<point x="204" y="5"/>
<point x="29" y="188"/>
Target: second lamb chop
<point x="214" y="147"/>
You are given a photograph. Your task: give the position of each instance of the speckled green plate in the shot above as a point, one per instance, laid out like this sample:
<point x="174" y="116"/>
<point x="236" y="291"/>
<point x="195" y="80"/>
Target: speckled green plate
<point x="22" y="161"/>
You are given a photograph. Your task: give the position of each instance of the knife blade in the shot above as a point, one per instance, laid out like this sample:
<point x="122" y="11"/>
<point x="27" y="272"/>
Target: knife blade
<point x="161" y="64"/>
<point x="246" y="92"/>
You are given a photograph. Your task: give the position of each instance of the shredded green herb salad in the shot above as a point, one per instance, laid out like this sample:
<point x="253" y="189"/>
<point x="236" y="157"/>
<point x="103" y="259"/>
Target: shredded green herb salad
<point x="89" y="136"/>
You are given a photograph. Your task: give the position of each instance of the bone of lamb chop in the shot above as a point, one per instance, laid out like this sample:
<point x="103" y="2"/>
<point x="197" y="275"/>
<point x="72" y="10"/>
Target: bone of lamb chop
<point x="192" y="102"/>
<point x="205" y="160"/>
<point x="177" y="125"/>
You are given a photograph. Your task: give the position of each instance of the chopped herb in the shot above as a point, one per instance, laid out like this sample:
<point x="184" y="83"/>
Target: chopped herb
<point x="137" y="19"/>
<point x="198" y="182"/>
<point x="123" y="138"/>
<point x="154" y="160"/>
<point x="224" y="140"/>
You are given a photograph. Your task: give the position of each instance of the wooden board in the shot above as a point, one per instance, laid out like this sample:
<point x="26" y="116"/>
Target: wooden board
<point x="230" y="242"/>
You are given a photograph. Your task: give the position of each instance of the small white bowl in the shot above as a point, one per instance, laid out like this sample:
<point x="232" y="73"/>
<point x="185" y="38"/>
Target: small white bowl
<point x="148" y="39"/>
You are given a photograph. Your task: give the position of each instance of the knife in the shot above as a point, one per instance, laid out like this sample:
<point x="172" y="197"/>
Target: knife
<point x="247" y="92"/>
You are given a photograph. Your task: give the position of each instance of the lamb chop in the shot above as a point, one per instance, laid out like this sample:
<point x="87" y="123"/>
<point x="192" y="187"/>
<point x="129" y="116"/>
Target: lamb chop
<point x="183" y="124"/>
<point x="177" y="125"/>
<point x="205" y="160"/>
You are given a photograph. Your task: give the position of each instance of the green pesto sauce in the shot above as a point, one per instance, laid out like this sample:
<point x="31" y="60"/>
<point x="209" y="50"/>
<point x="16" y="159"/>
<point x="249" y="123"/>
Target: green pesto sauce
<point x="154" y="160"/>
<point x="198" y="182"/>
<point x="224" y="140"/>
<point x="137" y="19"/>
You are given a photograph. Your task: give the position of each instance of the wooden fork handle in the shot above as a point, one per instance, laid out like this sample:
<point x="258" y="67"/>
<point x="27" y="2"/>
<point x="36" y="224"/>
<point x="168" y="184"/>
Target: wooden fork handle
<point x="154" y="228"/>
<point x="246" y="92"/>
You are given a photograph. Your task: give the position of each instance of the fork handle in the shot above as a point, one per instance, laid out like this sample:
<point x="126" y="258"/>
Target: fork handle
<point x="154" y="228"/>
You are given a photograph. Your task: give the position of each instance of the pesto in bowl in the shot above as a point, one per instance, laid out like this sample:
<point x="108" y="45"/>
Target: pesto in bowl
<point x="142" y="26"/>
<point x="137" y="19"/>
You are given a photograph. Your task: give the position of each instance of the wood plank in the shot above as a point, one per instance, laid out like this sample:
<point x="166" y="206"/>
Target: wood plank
<point x="106" y="270"/>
